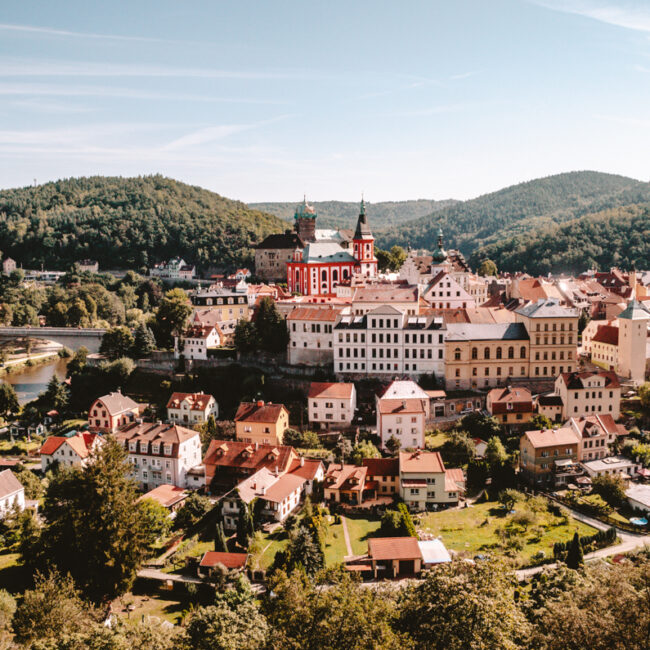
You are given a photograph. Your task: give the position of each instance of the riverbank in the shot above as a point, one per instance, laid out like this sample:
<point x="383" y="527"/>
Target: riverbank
<point x="16" y="365"/>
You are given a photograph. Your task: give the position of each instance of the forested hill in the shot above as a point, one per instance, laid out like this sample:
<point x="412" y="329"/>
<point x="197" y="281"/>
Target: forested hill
<point x="615" y="237"/>
<point x="343" y="214"/>
<point x="127" y="223"/>
<point x="519" y="209"/>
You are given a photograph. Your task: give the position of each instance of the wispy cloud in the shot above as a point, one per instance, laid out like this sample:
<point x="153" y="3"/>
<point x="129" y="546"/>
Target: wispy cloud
<point x="625" y="14"/>
<point x="56" y="90"/>
<point x="50" y="31"/>
<point x="434" y="110"/>
<point x="40" y="68"/>
<point x="213" y="133"/>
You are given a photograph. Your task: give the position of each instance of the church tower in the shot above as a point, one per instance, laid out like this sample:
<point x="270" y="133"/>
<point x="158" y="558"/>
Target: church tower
<point x="440" y="258"/>
<point x="632" y="338"/>
<point x="363" y="244"/>
<point x="305" y="222"/>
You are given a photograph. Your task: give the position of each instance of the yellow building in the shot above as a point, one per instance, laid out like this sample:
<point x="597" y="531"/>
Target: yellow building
<point x="553" y="331"/>
<point x="485" y="355"/>
<point x="261" y="423"/>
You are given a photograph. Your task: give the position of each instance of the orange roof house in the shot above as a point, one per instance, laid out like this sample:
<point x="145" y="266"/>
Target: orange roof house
<point x="264" y="423"/>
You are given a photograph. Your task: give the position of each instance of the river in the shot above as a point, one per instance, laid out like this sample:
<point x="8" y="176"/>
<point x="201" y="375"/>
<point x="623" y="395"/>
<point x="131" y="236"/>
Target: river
<point x="30" y="382"/>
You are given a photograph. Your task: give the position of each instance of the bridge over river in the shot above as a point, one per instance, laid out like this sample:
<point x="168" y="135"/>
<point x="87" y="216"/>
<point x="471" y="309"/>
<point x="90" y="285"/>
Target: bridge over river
<point x="71" y="337"/>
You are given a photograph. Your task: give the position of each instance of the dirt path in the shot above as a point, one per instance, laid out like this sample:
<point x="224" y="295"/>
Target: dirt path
<point x="346" y="536"/>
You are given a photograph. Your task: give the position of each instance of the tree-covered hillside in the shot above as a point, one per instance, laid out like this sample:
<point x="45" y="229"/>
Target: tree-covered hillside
<point x="520" y="209"/>
<point x="343" y="214"/>
<point x="127" y="223"/>
<point x="615" y="237"/>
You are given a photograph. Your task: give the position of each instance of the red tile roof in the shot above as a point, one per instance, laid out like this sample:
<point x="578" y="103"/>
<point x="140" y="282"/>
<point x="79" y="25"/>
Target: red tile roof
<point x="283" y="487"/>
<point x="229" y="560"/>
<point x="388" y="406"/>
<point x="381" y="466"/>
<point x="314" y="313"/>
<point x="237" y="454"/>
<point x="606" y="334"/>
<point x="335" y="390"/>
<point x="166" y="495"/>
<point x="394" y="548"/>
<point x="510" y="400"/>
<point x="196" y="401"/>
<point x="552" y="437"/>
<point x="348" y="477"/>
<point x="308" y="469"/>
<point x="575" y="380"/>
<point x="420" y="461"/>
<point x="116" y="403"/>
<point x="259" y="412"/>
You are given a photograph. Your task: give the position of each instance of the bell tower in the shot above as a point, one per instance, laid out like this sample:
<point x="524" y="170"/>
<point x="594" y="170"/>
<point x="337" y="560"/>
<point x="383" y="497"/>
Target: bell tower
<point x="632" y="338"/>
<point x="363" y="244"/>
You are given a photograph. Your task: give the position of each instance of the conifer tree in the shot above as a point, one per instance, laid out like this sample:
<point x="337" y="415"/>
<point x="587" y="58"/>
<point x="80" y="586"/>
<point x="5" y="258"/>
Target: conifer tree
<point x="220" y="541"/>
<point x="574" y="558"/>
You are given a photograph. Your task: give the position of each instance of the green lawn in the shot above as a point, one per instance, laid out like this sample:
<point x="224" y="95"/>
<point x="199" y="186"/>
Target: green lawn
<point x="360" y="530"/>
<point x="335" y="549"/>
<point x="150" y="600"/>
<point x="476" y="530"/>
<point x="436" y="440"/>
<point x="271" y="544"/>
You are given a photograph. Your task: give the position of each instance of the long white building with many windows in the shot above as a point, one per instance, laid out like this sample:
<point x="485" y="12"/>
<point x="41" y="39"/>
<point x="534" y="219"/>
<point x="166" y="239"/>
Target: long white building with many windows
<point x="386" y="341"/>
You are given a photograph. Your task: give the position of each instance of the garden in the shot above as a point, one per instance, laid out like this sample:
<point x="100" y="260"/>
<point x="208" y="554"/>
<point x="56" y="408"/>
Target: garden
<point x="525" y="531"/>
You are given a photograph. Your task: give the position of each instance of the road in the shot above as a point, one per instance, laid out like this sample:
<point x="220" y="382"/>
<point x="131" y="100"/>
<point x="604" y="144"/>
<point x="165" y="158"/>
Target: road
<point x="155" y="574"/>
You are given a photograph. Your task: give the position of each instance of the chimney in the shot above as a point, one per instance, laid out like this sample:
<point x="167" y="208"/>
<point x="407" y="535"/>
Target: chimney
<point x="260" y="402"/>
<point x="302" y="461"/>
<point x="403" y="403"/>
<point x="277" y="471"/>
<point x="263" y="489"/>
<point x="257" y="445"/>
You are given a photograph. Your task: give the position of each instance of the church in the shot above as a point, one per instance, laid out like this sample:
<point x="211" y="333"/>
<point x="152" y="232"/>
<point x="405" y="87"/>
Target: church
<point x="329" y="257"/>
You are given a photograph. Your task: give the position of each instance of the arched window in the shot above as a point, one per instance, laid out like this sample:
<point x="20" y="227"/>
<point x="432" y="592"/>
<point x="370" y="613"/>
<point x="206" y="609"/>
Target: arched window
<point x="345" y="274"/>
<point x="323" y="275"/>
<point x="499" y="354"/>
<point x="474" y="353"/>
<point x="335" y="275"/>
<point x="522" y="352"/>
<point x="511" y="352"/>
<point x="486" y="353"/>
<point x="457" y="354"/>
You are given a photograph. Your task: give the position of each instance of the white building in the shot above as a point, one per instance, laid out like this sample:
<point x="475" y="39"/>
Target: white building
<point x="589" y="393"/>
<point x="12" y="493"/>
<point x="632" y="341"/>
<point x="331" y="404"/>
<point x="403" y="419"/>
<point x="638" y="496"/>
<point x="73" y="451"/>
<point x="191" y="408"/>
<point x="197" y="341"/>
<point x="310" y="335"/>
<point x="444" y="292"/>
<point x="161" y="453"/>
<point x="175" y="269"/>
<point x="387" y="342"/>
<point x="612" y="465"/>
<point x="424" y="481"/>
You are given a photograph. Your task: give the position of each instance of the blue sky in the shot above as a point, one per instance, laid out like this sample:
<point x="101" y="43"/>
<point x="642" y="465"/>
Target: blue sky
<point x="269" y="100"/>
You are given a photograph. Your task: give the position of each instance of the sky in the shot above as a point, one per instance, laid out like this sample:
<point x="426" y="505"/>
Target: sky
<point x="270" y="100"/>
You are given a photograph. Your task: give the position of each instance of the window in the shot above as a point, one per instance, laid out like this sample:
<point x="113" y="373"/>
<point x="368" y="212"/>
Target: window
<point x="486" y="353"/>
<point x="474" y="353"/>
<point x="499" y="353"/>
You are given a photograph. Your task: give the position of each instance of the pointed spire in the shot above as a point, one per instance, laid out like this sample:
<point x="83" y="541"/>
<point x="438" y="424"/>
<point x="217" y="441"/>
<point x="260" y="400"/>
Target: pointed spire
<point x="363" y="230"/>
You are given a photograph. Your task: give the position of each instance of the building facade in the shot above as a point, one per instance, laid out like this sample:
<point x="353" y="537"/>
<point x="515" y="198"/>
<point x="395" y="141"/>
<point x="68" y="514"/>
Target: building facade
<point x="108" y="413"/>
<point x="387" y="342"/>
<point x="589" y="393"/>
<point x="262" y="423"/>
<point x="310" y="335"/>
<point x="191" y="408"/>
<point x="331" y="404"/>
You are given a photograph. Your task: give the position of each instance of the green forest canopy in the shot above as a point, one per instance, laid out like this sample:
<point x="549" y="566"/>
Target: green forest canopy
<point x="519" y="210"/>
<point x="127" y="223"/>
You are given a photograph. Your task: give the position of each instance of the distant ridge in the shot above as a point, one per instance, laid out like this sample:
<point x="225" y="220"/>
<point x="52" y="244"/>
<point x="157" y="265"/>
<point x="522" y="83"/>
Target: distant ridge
<point x="519" y="209"/>
<point x="343" y="214"/>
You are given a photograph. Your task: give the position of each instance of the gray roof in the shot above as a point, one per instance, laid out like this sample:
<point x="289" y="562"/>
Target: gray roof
<point x="363" y="229"/>
<point x="547" y="308"/>
<point x="487" y="332"/>
<point x="9" y="484"/>
<point x="319" y="252"/>
<point x="117" y="403"/>
<point x="635" y="310"/>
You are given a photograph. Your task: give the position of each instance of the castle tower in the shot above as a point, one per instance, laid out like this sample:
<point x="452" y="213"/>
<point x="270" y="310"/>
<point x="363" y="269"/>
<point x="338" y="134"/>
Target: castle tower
<point x="440" y="258"/>
<point x="363" y="244"/>
<point x="305" y="221"/>
<point x="632" y="339"/>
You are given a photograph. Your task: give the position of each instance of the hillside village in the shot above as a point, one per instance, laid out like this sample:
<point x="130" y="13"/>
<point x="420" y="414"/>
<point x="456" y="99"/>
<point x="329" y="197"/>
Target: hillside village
<point x="320" y="413"/>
